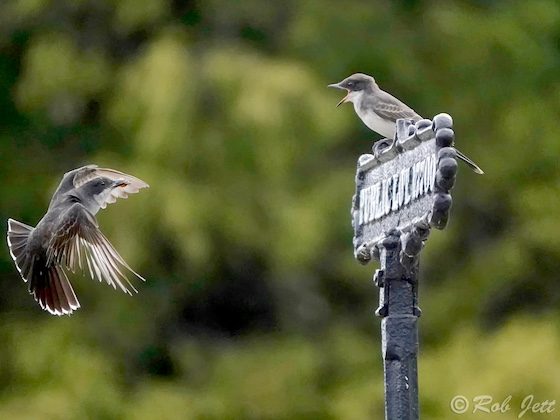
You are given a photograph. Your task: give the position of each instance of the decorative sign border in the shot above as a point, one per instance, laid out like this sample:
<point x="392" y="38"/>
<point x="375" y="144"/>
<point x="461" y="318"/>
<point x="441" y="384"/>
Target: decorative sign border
<point x="404" y="184"/>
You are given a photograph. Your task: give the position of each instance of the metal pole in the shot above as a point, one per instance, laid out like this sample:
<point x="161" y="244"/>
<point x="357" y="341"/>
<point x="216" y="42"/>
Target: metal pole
<point x="377" y="206"/>
<point x="399" y="330"/>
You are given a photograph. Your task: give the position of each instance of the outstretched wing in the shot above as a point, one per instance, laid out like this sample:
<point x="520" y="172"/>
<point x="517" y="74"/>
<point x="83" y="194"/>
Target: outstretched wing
<point x="78" y="243"/>
<point x="129" y="184"/>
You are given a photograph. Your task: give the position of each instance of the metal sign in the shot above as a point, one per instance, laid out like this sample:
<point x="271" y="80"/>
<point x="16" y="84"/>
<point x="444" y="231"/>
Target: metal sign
<point x="402" y="191"/>
<point x="396" y="185"/>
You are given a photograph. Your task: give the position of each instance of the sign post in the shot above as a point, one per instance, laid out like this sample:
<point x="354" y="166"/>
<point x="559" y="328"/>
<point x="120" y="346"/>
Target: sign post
<point x="402" y="191"/>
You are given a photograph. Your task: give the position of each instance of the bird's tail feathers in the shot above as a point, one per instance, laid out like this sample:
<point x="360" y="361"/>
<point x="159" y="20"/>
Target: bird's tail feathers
<point x="469" y="162"/>
<point x="47" y="283"/>
<point x="52" y="290"/>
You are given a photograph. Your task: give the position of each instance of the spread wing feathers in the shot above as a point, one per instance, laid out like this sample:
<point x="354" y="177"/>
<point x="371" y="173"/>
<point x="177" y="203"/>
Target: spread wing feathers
<point x="391" y="108"/>
<point x="18" y="234"/>
<point x="130" y="184"/>
<point x="78" y="243"/>
<point x="48" y="284"/>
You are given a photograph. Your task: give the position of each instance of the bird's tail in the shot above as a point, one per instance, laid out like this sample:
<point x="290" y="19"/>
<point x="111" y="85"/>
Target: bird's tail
<point x="48" y="284"/>
<point x="469" y="162"/>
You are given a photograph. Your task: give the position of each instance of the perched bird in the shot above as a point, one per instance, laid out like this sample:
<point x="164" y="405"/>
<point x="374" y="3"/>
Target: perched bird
<point x="68" y="238"/>
<point x="380" y="110"/>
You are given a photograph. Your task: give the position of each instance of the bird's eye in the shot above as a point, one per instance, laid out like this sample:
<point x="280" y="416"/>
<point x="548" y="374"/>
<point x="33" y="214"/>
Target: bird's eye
<point x="350" y="84"/>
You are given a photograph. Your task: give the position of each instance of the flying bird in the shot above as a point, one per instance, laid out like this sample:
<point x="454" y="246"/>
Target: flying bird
<point x="380" y="110"/>
<point x="68" y="238"/>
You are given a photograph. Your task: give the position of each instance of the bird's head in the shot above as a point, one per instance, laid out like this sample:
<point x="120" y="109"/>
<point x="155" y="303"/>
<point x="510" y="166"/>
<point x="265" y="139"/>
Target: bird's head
<point x="355" y="85"/>
<point x="101" y="185"/>
<point x="101" y="191"/>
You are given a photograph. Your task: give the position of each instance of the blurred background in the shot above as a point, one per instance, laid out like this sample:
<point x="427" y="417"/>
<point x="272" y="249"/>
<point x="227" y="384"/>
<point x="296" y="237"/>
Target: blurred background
<point x="254" y="307"/>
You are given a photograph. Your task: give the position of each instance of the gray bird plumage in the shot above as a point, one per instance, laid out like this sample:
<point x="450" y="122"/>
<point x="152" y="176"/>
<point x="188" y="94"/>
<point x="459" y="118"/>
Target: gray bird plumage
<point x="68" y="238"/>
<point x="380" y="110"/>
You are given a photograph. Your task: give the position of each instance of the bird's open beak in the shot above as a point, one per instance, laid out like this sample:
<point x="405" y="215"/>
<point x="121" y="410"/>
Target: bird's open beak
<point x="343" y="100"/>
<point x="119" y="183"/>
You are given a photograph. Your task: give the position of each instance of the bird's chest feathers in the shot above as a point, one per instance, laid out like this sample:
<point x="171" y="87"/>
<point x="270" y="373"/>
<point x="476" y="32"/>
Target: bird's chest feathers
<point x="376" y="123"/>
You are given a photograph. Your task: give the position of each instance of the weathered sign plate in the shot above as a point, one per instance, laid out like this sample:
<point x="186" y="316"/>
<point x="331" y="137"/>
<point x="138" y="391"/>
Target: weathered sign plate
<point x="395" y="193"/>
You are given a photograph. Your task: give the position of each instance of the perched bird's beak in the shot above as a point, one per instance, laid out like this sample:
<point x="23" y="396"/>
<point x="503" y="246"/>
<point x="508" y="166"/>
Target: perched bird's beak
<point x="343" y="100"/>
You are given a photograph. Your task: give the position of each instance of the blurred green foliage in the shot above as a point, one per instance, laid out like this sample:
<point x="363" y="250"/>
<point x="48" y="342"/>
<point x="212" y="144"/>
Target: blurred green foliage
<point x="254" y="307"/>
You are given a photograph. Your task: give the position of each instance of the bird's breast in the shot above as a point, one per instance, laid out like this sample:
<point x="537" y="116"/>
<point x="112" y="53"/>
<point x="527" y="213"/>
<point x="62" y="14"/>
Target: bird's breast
<point x="376" y="123"/>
